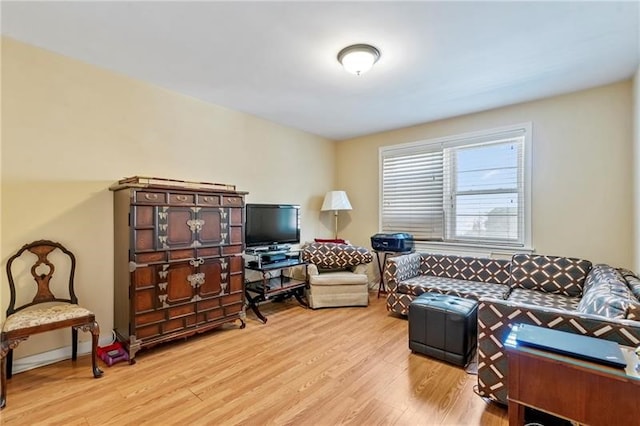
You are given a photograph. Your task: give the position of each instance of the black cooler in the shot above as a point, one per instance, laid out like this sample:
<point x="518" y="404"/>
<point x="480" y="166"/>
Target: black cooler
<point x="399" y="242"/>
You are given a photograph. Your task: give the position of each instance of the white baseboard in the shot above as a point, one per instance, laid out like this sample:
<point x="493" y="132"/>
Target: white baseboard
<point x="60" y="354"/>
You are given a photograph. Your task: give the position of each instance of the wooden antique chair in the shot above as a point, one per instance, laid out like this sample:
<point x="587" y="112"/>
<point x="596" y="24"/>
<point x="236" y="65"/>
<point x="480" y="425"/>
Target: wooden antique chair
<point x="24" y="320"/>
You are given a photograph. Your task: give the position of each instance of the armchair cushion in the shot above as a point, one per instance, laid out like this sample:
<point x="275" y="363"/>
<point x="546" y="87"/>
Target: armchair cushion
<point x="338" y="278"/>
<point x="332" y="256"/>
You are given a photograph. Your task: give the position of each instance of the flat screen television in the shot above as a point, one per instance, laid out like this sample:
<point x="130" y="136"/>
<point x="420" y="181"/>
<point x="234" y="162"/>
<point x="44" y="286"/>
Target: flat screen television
<point x="272" y="224"/>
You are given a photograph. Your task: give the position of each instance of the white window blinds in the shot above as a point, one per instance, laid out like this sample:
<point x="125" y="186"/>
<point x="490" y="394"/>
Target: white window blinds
<point x="466" y="189"/>
<point x="412" y="185"/>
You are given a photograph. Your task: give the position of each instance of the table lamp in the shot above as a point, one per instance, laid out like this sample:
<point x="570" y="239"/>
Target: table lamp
<point x="336" y="200"/>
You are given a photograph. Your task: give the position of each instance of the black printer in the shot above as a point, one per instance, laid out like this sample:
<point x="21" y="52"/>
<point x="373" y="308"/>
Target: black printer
<point x="397" y="242"/>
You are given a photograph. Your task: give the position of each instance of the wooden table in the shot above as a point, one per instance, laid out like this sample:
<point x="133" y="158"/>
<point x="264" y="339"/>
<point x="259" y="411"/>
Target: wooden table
<point x="269" y="287"/>
<point x="573" y="389"/>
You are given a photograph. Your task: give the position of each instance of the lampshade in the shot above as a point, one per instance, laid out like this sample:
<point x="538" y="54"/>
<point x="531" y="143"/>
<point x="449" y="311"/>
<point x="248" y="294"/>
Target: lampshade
<point x="358" y="58"/>
<point x="336" y="200"/>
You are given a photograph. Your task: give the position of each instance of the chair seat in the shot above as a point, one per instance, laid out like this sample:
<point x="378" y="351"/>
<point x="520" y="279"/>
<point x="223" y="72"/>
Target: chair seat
<point x="37" y="317"/>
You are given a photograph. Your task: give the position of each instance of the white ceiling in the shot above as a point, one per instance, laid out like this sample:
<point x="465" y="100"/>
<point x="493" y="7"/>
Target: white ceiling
<point x="277" y="60"/>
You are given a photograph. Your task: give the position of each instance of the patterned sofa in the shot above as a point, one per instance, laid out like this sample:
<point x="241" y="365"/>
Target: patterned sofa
<point x="556" y="292"/>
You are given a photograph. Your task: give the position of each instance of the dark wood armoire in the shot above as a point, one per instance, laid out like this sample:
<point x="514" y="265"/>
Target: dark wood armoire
<point x="178" y="259"/>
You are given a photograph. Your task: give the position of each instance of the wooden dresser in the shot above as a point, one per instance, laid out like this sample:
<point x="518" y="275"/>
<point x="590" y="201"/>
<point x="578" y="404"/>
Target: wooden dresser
<point x="178" y="259"/>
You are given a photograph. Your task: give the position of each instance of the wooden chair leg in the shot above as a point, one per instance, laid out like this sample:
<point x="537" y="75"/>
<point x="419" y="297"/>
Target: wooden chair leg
<point x="94" y="328"/>
<point x="9" y="368"/>
<point x="74" y="343"/>
<point x="94" y="356"/>
<point x="3" y="383"/>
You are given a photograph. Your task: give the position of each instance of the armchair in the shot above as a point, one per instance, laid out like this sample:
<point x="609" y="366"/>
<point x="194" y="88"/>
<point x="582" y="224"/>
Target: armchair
<point x="337" y="275"/>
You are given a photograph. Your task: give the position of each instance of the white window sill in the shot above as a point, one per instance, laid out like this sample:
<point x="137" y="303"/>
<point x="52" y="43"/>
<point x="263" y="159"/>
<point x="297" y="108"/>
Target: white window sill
<point x="461" y="249"/>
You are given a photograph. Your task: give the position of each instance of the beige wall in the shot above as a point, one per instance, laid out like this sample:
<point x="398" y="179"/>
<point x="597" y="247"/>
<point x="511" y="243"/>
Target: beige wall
<point x="636" y="168"/>
<point x="69" y="130"/>
<point x="582" y="171"/>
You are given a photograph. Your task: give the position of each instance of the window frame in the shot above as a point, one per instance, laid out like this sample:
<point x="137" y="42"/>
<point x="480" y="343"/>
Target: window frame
<point x="482" y="247"/>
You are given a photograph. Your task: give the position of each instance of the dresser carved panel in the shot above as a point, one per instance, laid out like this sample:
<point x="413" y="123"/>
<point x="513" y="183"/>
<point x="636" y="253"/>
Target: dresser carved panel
<point x="178" y="264"/>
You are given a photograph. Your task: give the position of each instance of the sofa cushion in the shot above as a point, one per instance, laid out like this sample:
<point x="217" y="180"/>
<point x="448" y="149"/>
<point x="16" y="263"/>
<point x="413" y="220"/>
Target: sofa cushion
<point x="550" y="274"/>
<point x="331" y="256"/>
<point x="633" y="313"/>
<point x="632" y="281"/>
<point x="634" y="285"/>
<point x="606" y="293"/>
<point x="542" y="299"/>
<point x="485" y="270"/>
<point x="603" y="273"/>
<point x="461" y="288"/>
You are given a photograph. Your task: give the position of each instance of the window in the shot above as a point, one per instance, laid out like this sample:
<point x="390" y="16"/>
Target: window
<point x="468" y="189"/>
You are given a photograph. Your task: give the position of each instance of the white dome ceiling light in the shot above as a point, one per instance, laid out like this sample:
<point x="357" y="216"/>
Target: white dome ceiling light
<point x="358" y="58"/>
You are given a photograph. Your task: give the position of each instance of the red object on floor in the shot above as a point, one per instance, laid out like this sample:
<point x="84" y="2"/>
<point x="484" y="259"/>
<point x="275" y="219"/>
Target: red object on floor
<point x="112" y="353"/>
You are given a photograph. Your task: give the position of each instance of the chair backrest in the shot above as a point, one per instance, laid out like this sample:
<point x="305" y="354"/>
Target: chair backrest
<point x="335" y="256"/>
<point x="41" y="249"/>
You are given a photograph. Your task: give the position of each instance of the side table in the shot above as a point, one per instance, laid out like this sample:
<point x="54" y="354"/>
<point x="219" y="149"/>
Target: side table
<point x="571" y="388"/>
<point x="281" y="285"/>
<point x="381" y="258"/>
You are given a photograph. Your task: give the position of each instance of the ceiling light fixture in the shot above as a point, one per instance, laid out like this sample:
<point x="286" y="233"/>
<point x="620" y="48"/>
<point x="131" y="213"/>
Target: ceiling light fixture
<point x="358" y="58"/>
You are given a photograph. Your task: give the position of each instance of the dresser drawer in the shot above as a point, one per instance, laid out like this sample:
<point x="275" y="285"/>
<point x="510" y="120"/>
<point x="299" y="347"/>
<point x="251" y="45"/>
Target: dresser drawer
<point x="147" y="197"/>
<point x="182" y="199"/>
<point x="231" y="201"/>
<point x="149" y="331"/>
<point x="153" y="257"/>
<point x="208" y="200"/>
<point x="150" y="318"/>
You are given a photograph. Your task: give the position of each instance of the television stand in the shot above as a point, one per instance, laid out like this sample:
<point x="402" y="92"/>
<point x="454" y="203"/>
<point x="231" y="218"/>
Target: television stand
<point x="269" y="287"/>
<point x="256" y="259"/>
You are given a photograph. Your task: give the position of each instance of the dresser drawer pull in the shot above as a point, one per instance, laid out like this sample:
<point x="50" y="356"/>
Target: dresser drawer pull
<point x="208" y="199"/>
<point x="195" y="225"/>
<point x="151" y="196"/>
<point x="196" y="280"/>
<point x="182" y="198"/>
<point x="196" y="262"/>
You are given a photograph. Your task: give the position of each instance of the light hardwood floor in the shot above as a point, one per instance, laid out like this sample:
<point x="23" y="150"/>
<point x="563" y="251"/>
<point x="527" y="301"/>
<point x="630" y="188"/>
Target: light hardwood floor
<point x="304" y="367"/>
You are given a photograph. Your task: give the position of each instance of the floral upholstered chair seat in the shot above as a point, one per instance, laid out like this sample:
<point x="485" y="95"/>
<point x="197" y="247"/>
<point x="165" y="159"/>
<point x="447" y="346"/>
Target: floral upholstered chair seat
<point x="31" y="318"/>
